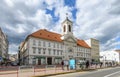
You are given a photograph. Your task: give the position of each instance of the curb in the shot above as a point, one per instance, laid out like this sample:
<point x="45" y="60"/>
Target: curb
<point x="73" y="71"/>
<point x="65" y="72"/>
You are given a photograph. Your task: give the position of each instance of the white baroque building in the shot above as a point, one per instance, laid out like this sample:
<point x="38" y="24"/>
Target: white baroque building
<point x="45" y="47"/>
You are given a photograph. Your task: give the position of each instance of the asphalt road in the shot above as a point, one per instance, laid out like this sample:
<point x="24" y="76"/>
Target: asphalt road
<point x="108" y="72"/>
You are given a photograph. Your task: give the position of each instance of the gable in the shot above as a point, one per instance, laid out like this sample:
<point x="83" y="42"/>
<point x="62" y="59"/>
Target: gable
<point x="70" y="39"/>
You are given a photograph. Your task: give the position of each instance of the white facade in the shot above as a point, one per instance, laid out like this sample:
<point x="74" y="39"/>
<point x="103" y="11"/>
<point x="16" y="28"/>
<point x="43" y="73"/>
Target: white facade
<point x="94" y="44"/>
<point x="41" y="51"/>
<point x="39" y="48"/>
<point x="109" y="56"/>
<point x="3" y="45"/>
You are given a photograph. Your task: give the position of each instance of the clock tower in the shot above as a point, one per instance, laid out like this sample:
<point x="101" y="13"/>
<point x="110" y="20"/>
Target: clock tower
<point x="67" y="30"/>
<point x="67" y="26"/>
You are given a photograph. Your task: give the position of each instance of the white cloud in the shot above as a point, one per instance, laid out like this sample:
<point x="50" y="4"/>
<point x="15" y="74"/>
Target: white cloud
<point x="19" y="29"/>
<point x="33" y="2"/>
<point x="42" y="19"/>
<point x="95" y="21"/>
<point x="9" y="3"/>
<point x="51" y="3"/>
<point x="12" y="48"/>
<point x="61" y="13"/>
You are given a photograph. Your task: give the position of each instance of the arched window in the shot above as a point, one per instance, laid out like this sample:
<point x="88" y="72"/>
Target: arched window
<point x="64" y="28"/>
<point x="69" y="28"/>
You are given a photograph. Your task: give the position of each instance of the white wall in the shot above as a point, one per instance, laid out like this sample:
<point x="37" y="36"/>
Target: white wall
<point x="110" y="55"/>
<point x="46" y="46"/>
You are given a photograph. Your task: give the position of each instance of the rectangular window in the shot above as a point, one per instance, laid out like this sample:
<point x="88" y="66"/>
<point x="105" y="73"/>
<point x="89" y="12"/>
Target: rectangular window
<point x="82" y="49"/>
<point x="49" y="44"/>
<point x="57" y="45"/>
<point x="81" y="54"/>
<point x="54" y="45"/>
<point x="44" y="43"/>
<point x="61" y="52"/>
<point x="34" y="42"/>
<point x="39" y="50"/>
<point x="57" y="52"/>
<point x="33" y="61"/>
<point x="34" y="50"/>
<point x="61" y="46"/>
<point x="49" y="51"/>
<point x="77" y="54"/>
<point x="39" y="43"/>
<point x="78" y="49"/>
<point x="54" y="52"/>
<point x="43" y="51"/>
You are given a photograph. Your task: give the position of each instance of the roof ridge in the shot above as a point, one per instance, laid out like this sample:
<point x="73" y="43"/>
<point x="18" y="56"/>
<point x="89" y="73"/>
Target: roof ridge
<point x="51" y="32"/>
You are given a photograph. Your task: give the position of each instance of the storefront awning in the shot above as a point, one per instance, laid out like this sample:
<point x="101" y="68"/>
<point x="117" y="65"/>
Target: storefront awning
<point x="58" y="57"/>
<point x="40" y="57"/>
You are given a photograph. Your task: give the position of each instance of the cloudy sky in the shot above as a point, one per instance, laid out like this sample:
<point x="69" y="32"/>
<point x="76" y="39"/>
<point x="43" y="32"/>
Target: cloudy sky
<point x="98" y="19"/>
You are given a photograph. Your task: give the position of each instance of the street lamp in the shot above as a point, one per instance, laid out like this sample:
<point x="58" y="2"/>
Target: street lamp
<point x="104" y="60"/>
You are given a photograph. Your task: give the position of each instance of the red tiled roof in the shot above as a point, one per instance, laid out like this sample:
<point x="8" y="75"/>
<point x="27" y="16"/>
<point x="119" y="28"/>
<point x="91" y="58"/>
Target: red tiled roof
<point x="82" y="43"/>
<point x="44" y="34"/>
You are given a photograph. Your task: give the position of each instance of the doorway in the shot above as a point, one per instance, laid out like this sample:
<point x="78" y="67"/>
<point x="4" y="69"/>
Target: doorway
<point x="49" y="60"/>
<point x="39" y="61"/>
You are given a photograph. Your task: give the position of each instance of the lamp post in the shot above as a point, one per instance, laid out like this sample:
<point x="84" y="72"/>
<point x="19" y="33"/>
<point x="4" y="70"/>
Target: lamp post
<point x="104" y="60"/>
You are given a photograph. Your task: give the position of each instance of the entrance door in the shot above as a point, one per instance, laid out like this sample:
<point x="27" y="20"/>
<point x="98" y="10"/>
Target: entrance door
<point x="39" y="61"/>
<point x="49" y="60"/>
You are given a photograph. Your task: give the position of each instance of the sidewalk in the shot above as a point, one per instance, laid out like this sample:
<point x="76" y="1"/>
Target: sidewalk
<point x="52" y="72"/>
<point x="79" y="74"/>
<point x="59" y="72"/>
<point x="42" y="71"/>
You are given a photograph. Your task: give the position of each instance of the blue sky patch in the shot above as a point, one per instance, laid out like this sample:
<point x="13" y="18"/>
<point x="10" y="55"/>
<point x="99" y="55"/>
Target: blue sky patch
<point x="118" y="40"/>
<point x="70" y="3"/>
<point x="74" y="11"/>
<point x="51" y="12"/>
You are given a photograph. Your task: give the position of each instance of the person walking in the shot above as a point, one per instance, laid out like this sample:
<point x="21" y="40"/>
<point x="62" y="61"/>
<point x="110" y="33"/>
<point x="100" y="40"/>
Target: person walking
<point x="62" y="63"/>
<point x="67" y="64"/>
<point x="87" y="64"/>
<point x="101" y="64"/>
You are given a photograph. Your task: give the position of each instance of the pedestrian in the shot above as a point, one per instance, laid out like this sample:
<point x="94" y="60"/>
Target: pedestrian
<point x="87" y="64"/>
<point x="62" y="63"/>
<point x="67" y="64"/>
<point x="101" y="64"/>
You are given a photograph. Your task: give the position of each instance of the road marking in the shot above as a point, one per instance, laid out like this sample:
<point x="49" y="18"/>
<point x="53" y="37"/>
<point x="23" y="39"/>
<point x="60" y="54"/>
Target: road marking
<point x="112" y="74"/>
